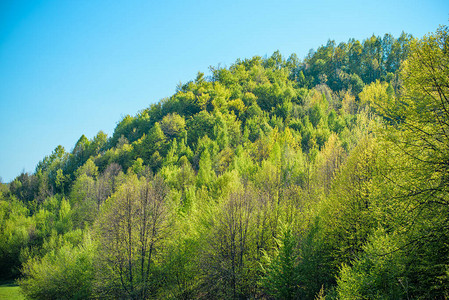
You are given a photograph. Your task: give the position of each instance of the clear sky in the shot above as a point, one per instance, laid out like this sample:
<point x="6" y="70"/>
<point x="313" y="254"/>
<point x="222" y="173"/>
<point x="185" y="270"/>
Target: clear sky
<point x="69" y="68"/>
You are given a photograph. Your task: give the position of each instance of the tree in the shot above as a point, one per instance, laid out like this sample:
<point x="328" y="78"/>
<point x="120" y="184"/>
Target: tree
<point x="25" y="187"/>
<point x="262" y="143"/>
<point x="172" y="125"/>
<point x="83" y="200"/>
<point x="374" y="93"/>
<point x="205" y="173"/>
<point x="416" y="170"/>
<point x="200" y="125"/>
<point x="16" y="230"/>
<point x="281" y="274"/>
<point x="89" y="169"/>
<point x="227" y="262"/>
<point x="328" y="163"/>
<point x="130" y="230"/>
<point x="98" y="143"/>
<point x="107" y="183"/>
<point x="377" y="273"/>
<point x="65" y="273"/>
<point x="348" y="210"/>
<point x="80" y="153"/>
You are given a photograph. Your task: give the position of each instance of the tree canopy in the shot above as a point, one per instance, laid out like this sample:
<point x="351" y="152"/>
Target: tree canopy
<point x="273" y="178"/>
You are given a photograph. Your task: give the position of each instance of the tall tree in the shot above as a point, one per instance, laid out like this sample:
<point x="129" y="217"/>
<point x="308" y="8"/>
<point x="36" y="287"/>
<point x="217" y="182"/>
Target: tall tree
<point x="417" y="151"/>
<point x="130" y="229"/>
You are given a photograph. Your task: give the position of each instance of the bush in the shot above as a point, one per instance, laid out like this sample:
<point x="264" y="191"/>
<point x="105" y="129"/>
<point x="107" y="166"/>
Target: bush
<point x="65" y="273"/>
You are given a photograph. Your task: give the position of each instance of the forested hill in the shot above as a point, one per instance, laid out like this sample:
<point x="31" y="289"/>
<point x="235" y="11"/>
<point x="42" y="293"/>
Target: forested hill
<point x="240" y="104"/>
<point x="274" y="178"/>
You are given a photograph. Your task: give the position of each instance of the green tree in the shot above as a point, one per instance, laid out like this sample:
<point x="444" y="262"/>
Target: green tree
<point x="130" y="231"/>
<point x="83" y="200"/>
<point x="172" y="125"/>
<point x="416" y="153"/>
<point x="350" y="205"/>
<point x="377" y="274"/>
<point x="281" y="277"/>
<point x="16" y="230"/>
<point x="66" y="273"/>
<point x="228" y="263"/>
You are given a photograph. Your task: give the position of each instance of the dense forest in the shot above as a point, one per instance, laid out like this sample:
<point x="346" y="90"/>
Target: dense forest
<point x="273" y="178"/>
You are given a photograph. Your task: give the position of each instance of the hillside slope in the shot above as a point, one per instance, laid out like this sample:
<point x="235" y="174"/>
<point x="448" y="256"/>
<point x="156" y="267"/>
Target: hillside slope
<point x="273" y="178"/>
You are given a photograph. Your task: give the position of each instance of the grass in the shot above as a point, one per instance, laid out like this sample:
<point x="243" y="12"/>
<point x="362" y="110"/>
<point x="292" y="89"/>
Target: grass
<point x="10" y="291"/>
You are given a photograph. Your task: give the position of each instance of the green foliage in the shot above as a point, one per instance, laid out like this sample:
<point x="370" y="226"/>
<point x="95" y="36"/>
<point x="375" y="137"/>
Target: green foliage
<point x="89" y="169"/>
<point x="417" y="140"/>
<point x="281" y="277"/>
<point x="64" y="273"/>
<point x="181" y="268"/>
<point x="16" y="230"/>
<point x="228" y="266"/>
<point x="129" y="230"/>
<point x="205" y="172"/>
<point x="377" y="274"/>
<point x="173" y="125"/>
<point x="315" y="267"/>
<point x="186" y="200"/>
<point x="83" y="200"/>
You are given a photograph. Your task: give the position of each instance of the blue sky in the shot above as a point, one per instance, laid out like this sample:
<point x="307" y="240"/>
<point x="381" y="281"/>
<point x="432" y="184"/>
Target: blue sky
<point x="69" y="68"/>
